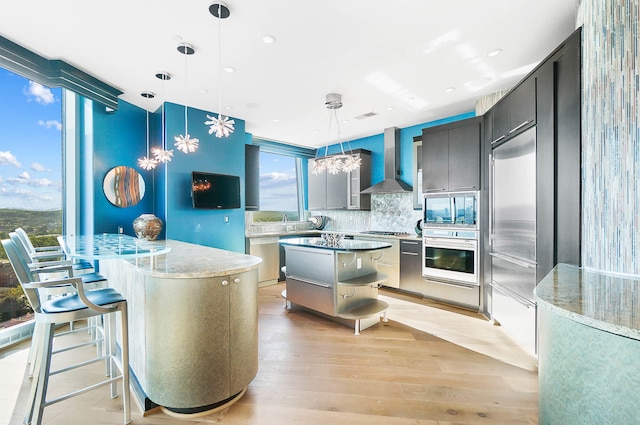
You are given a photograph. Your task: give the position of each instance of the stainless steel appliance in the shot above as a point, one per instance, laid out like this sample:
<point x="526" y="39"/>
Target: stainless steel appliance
<point x="450" y="259"/>
<point x="451" y="256"/>
<point x="513" y="236"/>
<point x="456" y="209"/>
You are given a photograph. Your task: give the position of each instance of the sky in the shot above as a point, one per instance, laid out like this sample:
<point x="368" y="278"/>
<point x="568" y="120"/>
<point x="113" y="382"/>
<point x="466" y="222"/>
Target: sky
<point x="277" y="183"/>
<point x="31" y="149"/>
<point x="30" y="144"/>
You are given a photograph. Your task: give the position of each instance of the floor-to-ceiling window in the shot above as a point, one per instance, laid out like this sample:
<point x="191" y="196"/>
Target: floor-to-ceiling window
<point x="280" y="189"/>
<point x="30" y="176"/>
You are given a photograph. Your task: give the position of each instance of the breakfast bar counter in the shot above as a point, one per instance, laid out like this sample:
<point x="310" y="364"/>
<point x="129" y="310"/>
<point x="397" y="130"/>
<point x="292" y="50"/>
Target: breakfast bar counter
<point x="589" y="346"/>
<point x="193" y="325"/>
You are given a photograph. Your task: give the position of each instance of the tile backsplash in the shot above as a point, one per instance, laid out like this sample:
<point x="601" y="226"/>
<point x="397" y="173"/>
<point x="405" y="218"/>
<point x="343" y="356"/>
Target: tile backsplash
<point x="389" y="211"/>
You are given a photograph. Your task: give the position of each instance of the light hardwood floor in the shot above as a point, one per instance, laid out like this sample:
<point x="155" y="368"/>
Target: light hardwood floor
<point x="430" y="364"/>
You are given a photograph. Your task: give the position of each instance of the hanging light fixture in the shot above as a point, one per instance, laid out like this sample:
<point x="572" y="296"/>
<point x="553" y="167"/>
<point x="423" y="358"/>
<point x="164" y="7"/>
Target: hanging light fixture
<point x="161" y="154"/>
<point x="222" y="126"/>
<point x="146" y="162"/>
<point x="184" y="142"/>
<point x="334" y="164"/>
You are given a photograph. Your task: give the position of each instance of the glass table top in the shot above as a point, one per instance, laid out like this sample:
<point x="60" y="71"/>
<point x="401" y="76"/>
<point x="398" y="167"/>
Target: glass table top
<point x="110" y="245"/>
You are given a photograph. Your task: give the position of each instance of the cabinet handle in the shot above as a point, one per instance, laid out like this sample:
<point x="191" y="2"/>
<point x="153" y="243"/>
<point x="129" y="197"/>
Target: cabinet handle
<point x="464" y="187"/>
<point x="409" y="253"/>
<point x="409" y="243"/>
<point x="442" y="189"/>
<point x="498" y="139"/>
<point x="225" y="282"/>
<point x="236" y="280"/>
<point x="519" y="126"/>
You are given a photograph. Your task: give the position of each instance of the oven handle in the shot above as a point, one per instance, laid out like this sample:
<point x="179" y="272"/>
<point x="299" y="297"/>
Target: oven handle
<point x="462" y="285"/>
<point x="458" y="243"/>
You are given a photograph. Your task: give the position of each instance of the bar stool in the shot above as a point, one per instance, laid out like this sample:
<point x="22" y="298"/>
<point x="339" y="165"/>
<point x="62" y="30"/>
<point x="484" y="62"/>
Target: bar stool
<point x="45" y="270"/>
<point x="68" y="308"/>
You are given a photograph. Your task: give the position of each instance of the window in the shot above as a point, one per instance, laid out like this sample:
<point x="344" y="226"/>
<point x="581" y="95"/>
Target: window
<point x="30" y="176"/>
<point x="280" y="184"/>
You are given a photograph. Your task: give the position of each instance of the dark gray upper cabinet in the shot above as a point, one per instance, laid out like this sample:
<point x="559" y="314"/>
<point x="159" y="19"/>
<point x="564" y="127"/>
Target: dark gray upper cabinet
<point x="435" y="161"/>
<point x="341" y="191"/>
<point x="515" y="112"/>
<point x="252" y="177"/>
<point x="451" y="156"/>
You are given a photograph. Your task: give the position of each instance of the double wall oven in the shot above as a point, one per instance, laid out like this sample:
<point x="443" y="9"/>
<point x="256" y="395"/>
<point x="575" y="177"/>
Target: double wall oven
<point x="450" y="261"/>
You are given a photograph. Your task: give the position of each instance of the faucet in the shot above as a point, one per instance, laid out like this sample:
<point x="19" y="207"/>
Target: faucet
<point x="285" y="220"/>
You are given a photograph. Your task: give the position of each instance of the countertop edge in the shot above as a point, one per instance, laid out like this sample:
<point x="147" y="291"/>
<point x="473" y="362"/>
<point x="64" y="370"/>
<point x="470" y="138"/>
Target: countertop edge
<point x="552" y="282"/>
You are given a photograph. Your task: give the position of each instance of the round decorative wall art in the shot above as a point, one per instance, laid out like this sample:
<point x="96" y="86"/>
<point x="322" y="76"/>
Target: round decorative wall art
<point x="123" y="186"/>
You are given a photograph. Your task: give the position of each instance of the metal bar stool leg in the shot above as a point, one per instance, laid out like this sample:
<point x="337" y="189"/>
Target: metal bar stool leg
<point x="42" y="381"/>
<point x="126" y="393"/>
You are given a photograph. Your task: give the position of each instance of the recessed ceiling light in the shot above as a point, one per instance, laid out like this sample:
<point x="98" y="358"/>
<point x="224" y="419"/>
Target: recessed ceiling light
<point x="276" y="120"/>
<point x="268" y="39"/>
<point x="204" y="91"/>
<point x="228" y="108"/>
<point x="390" y="108"/>
<point x="316" y="132"/>
<point x="449" y="89"/>
<point x="494" y="52"/>
<point x="229" y="69"/>
<point x="345" y="121"/>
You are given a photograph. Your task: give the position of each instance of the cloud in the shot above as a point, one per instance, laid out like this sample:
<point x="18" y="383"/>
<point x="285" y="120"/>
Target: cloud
<point x="277" y="180"/>
<point x="39" y="93"/>
<point x="25" y="175"/>
<point x="36" y="166"/>
<point x="7" y="158"/>
<point x="50" y="124"/>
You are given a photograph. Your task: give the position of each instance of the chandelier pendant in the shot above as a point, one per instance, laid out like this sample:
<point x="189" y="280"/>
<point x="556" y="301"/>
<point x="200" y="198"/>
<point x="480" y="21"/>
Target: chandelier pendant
<point x="222" y="126"/>
<point x="186" y="144"/>
<point x="343" y="162"/>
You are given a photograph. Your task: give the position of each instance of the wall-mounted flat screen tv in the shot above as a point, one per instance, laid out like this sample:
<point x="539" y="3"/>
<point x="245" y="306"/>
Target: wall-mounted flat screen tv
<point x="215" y="191"/>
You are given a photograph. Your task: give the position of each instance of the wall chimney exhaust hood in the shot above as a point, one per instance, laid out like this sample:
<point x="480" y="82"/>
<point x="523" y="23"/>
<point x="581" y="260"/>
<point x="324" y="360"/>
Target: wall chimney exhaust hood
<point x="391" y="182"/>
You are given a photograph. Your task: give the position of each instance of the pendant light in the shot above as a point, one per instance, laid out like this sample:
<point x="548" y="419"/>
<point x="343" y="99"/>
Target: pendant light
<point x="146" y="162"/>
<point x="184" y="142"/>
<point x="162" y="154"/>
<point x="222" y="126"/>
<point x="334" y="164"/>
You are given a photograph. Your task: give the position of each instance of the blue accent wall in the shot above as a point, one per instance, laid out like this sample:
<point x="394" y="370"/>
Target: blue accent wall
<point x="119" y="139"/>
<point x="223" y="156"/>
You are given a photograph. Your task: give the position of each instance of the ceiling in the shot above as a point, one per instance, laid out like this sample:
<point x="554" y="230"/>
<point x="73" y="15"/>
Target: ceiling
<point x="393" y="59"/>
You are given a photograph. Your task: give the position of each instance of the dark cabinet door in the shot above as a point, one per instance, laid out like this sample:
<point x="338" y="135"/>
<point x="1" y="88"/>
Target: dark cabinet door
<point x="464" y="157"/>
<point x="435" y="161"/>
<point x="516" y="111"/>
<point x="523" y="106"/>
<point x="337" y="191"/>
<point x="316" y="190"/>
<point x="252" y="177"/>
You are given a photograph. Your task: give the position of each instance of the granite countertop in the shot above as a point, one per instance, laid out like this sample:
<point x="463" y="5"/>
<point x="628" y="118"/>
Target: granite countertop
<point x="603" y="301"/>
<point x="344" y="245"/>
<point x="186" y="260"/>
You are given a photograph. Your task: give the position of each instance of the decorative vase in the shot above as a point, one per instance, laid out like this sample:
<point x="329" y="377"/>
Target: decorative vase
<point x="147" y="226"/>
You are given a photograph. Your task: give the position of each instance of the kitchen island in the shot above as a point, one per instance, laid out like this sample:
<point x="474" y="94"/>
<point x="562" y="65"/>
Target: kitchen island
<point x="337" y="280"/>
<point x="193" y="325"/>
<point x="589" y="346"/>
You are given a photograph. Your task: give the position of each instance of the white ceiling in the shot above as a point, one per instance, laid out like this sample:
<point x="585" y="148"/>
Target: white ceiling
<point x="399" y="54"/>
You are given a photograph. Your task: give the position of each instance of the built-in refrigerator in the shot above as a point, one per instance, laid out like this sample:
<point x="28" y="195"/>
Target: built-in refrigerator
<point x="513" y="237"/>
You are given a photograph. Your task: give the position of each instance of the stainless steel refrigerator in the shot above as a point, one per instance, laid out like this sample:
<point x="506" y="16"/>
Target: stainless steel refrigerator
<point x="513" y="237"/>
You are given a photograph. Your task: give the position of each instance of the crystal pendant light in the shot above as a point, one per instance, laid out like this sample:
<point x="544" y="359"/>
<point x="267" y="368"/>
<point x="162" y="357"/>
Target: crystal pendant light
<point x="222" y="126"/>
<point x="334" y="164"/>
<point x="161" y="154"/>
<point x="146" y="162"/>
<point x="185" y="142"/>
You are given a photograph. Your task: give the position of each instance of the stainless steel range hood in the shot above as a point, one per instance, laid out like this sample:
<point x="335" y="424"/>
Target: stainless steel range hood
<point x="391" y="182"/>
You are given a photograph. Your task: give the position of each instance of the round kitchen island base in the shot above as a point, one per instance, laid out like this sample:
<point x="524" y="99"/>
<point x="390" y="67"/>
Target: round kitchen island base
<point x="204" y="410"/>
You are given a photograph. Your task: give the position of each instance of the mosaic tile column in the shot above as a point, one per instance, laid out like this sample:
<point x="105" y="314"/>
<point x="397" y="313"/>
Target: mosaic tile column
<point x="610" y="135"/>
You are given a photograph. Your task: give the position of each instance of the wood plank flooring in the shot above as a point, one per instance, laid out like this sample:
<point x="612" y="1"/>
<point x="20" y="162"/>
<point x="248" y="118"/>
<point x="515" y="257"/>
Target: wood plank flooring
<point x="430" y="364"/>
